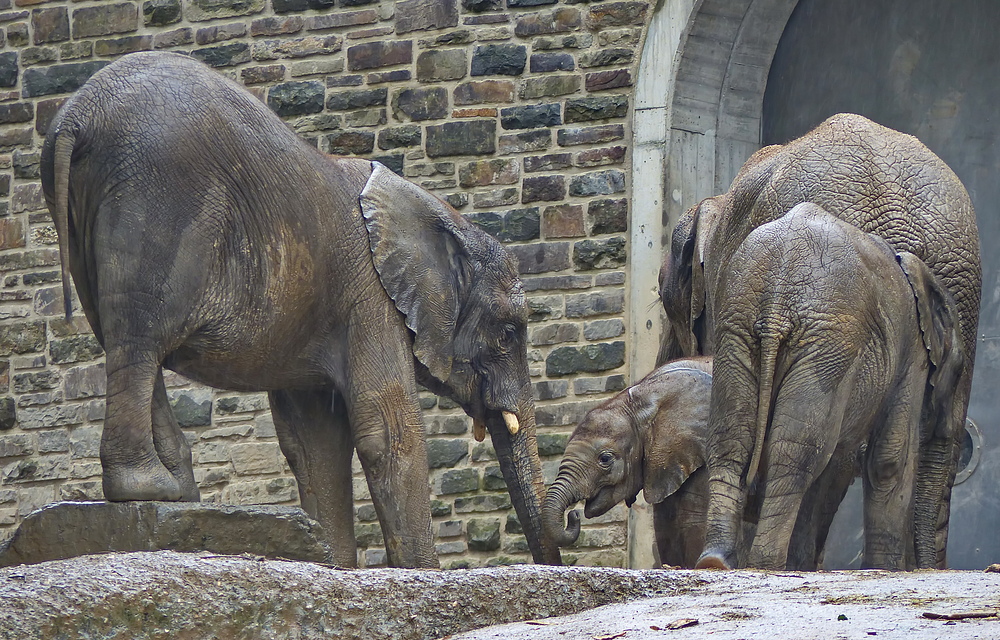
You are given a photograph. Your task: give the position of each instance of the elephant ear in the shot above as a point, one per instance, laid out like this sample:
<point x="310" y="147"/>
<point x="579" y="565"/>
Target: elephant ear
<point x="676" y="434"/>
<point x="937" y="315"/>
<point x="418" y="249"/>
<point x="707" y="217"/>
<point x="682" y="283"/>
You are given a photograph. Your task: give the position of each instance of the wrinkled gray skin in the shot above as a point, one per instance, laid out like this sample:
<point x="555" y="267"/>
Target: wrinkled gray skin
<point x="882" y="182"/>
<point x="650" y="437"/>
<point x="205" y="237"/>
<point x="828" y="344"/>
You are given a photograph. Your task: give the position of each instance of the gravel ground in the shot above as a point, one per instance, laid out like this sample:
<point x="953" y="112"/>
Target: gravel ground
<point x="188" y="596"/>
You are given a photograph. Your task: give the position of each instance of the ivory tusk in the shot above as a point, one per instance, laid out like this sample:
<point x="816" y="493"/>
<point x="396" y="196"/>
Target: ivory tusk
<point x="511" y="421"/>
<point x="478" y="430"/>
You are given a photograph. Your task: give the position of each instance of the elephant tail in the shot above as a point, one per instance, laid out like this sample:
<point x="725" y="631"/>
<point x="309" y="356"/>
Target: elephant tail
<point x="62" y="156"/>
<point x="769" y="343"/>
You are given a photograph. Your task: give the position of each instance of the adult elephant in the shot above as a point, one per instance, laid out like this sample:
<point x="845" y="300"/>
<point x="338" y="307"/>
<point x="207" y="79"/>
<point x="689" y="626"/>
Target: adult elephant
<point x="879" y="180"/>
<point x="829" y="344"/>
<point x="205" y="237"/>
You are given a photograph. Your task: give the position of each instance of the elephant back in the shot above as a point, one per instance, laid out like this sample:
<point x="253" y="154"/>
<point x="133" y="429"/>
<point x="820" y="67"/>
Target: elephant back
<point x="882" y="181"/>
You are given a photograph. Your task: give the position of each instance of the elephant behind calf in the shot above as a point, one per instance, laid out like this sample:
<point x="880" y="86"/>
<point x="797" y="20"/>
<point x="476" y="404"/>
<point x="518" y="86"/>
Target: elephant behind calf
<point x="827" y="342"/>
<point x="204" y="236"/>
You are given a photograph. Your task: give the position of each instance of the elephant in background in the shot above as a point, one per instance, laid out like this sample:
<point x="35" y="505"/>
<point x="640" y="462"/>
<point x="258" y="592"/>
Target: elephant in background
<point x="650" y="437"/>
<point x="828" y="342"/>
<point x="879" y="180"/>
<point x="205" y="237"/>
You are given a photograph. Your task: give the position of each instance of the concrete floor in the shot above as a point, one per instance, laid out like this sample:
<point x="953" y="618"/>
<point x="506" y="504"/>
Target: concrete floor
<point x="744" y="604"/>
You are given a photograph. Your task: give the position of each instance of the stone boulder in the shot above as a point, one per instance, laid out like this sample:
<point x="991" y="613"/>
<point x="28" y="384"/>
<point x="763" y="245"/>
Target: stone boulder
<point x="70" y="529"/>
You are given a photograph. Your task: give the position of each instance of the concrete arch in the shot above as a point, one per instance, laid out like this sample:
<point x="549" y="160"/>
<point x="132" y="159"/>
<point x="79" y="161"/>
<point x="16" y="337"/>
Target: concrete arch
<point x="697" y="118"/>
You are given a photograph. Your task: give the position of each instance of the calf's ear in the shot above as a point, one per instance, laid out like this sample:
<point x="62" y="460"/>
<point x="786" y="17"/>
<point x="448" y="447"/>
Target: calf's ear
<point x="670" y="459"/>
<point x="417" y="245"/>
<point x="675" y="438"/>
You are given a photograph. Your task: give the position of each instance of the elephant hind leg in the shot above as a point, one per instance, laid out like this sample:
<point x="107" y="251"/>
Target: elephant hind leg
<point x="315" y="436"/>
<point x="889" y="471"/>
<point x="132" y="468"/>
<point x="171" y="446"/>
<point x="799" y="446"/>
<point x="820" y="505"/>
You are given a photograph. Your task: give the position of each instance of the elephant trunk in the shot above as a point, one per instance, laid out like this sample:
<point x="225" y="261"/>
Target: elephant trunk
<point x="522" y="471"/>
<point x="560" y="496"/>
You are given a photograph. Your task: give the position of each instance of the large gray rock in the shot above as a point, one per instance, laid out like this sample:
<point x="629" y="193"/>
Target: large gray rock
<point x="70" y="529"/>
<point x="197" y="596"/>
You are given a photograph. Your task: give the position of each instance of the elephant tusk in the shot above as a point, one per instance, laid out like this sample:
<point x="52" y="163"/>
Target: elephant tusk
<point x="513" y="426"/>
<point x="478" y="430"/>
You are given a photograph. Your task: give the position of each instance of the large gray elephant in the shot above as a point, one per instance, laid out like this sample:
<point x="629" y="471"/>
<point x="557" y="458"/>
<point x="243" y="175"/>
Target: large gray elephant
<point x="651" y="437"/>
<point x="828" y="343"/>
<point x="205" y="237"/>
<point x="882" y="182"/>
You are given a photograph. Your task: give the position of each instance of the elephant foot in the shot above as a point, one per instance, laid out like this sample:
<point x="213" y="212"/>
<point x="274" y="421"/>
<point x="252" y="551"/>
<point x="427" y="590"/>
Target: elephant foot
<point x="188" y="486"/>
<point x="189" y="489"/>
<point x="713" y="560"/>
<point x="123" y="484"/>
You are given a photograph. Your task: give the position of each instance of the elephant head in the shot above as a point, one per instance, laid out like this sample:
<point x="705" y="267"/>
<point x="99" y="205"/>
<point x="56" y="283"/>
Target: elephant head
<point x="682" y="281"/>
<point x="650" y="436"/>
<point x="461" y="296"/>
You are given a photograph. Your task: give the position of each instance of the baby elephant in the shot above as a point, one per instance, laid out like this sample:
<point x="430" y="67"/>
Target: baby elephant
<point x="651" y="437"/>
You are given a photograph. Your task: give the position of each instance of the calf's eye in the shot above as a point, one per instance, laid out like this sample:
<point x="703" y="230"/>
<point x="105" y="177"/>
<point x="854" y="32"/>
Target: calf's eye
<point x="605" y="459"/>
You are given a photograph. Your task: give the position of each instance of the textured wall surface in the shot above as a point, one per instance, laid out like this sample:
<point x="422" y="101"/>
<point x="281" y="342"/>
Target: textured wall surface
<point x="515" y="111"/>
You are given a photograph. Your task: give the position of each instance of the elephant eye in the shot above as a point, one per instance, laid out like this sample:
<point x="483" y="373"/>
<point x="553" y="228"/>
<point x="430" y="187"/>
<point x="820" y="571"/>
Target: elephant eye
<point x="605" y="459"/>
<point x="509" y="331"/>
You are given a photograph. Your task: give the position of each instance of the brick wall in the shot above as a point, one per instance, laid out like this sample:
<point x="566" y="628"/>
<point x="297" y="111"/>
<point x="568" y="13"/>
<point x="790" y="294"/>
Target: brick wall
<point x="516" y="113"/>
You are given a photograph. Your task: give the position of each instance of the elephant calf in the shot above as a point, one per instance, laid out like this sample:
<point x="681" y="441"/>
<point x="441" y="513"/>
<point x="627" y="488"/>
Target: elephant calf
<point x="651" y="437"/>
<point x="828" y="342"/>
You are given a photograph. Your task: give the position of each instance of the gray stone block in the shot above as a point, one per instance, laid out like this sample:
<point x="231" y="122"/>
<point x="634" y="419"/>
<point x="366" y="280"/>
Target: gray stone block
<point x="70" y="529"/>
<point x="483" y="534"/>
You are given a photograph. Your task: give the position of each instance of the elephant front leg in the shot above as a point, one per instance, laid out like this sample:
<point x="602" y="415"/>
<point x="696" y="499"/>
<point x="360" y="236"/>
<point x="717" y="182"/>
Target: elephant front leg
<point x="315" y="436"/>
<point x="171" y="446"/>
<point x="679" y="522"/>
<point x="132" y="469"/>
<point x="389" y="436"/>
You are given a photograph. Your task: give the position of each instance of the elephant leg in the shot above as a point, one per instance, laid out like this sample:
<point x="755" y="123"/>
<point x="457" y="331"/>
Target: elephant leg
<point x="679" y="522"/>
<point x="732" y="418"/>
<point x="802" y="438"/>
<point x="315" y="436"/>
<point x="889" y="473"/>
<point x="132" y="469"/>
<point x="389" y="436"/>
<point x="821" y="502"/>
<point x="935" y="478"/>
<point x="171" y="446"/>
